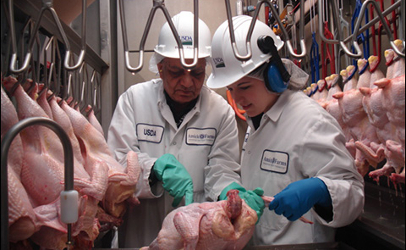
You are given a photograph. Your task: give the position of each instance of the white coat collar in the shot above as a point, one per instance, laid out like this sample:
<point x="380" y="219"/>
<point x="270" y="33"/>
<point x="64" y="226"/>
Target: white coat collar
<point x="161" y="102"/>
<point x="276" y="110"/>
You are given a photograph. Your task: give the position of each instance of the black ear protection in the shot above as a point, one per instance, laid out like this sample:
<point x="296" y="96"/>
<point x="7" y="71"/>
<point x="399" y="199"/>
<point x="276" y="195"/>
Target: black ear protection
<point x="275" y="75"/>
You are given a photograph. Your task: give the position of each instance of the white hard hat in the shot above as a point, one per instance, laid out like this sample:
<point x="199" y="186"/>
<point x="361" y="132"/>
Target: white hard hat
<point x="226" y="68"/>
<point x="184" y="24"/>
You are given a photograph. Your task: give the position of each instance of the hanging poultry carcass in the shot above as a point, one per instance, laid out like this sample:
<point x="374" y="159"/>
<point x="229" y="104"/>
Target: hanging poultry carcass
<point x="43" y="172"/>
<point x="376" y="111"/>
<point x="41" y="145"/>
<point x="393" y="91"/>
<point x="24" y="219"/>
<point x="349" y="80"/>
<point x="122" y="180"/>
<point x="364" y="75"/>
<point x="8" y="119"/>
<point x="21" y="219"/>
<point x="93" y="120"/>
<point x="395" y="63"/>
<point x="389" y="55"/>
<point x="355" y="118"/>
<point x="376" y="73"/>
<point x="322" y="90"/>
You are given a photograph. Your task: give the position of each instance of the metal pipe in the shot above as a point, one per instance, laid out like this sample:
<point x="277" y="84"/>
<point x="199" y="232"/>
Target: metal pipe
<point x="5" y="145"/>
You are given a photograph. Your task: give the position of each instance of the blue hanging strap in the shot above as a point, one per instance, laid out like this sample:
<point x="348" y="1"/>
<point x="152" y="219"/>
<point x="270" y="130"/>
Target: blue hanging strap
<point x="314" y="59"/>
<point x="360" y="37"/>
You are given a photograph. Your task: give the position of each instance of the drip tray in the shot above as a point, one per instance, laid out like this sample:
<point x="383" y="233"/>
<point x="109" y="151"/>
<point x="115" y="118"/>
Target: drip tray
<point x="382" y="224"/>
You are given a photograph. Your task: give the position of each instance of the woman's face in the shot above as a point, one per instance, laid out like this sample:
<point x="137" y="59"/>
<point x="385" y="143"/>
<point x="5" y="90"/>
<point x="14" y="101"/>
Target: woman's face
<point x="252" y="95"/>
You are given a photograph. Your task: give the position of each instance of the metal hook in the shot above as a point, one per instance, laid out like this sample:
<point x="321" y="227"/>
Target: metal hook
<point x="5" y="145"/>
<point x="34" y="69"/>
<point x="83" y="40"/>
<point x="251" y="29"/>
<point x="338" y="27"/>
<point x="83" y="76"/>
<point x="345" y="29"/>
<point x="94" y="82"/>
<point x="13" y="60"/>
<point x="47" y="6"/>
<point x="159" y="4"/>
<point x="385" y="25"/>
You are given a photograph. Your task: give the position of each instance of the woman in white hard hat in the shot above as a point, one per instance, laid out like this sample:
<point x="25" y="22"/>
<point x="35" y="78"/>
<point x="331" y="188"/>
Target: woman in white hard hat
<point x="293" y="149"/>
<point x="184" y="133"/>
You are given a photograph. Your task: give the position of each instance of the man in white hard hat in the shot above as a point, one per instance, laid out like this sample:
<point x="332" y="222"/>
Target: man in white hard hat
<point x="294" y="150"/>
<point x="184" y="133"/>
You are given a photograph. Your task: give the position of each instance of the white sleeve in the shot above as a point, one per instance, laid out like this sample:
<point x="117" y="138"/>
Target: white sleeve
<point x="223" y="167"/>
<point x="122" y="138"/>
<point x="326" y="157"/>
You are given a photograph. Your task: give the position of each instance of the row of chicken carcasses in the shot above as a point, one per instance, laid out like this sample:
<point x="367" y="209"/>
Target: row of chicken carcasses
<point x="36" y="171"/>
<point x="370" y="108"/>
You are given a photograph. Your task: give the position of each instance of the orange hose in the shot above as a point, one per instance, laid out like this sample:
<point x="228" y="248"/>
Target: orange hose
<point x="238" y="112"/>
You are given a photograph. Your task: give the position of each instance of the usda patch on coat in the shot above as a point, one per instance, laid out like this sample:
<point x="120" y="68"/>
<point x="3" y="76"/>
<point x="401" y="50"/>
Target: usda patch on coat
<point x="275" y="161"/>
<point x="200" y="136"/>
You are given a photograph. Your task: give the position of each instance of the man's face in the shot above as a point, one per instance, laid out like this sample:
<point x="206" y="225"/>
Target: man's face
<point x="182" y="85"/>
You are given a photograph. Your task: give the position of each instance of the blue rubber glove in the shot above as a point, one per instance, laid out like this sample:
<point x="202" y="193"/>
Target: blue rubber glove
<point x="299" y="196"/>
<point x="175" y="178"/>
<point x="252" y="198"/>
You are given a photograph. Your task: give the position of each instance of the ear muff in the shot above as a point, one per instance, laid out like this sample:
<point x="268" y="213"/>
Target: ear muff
<point x="275" y="75"/>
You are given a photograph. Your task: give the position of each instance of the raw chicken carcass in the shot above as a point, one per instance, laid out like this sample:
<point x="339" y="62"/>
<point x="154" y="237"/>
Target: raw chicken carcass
<point x="376" y="111"/>
<point x="92" y="183"/>
<point x="322" y="90"/>
<point x="42" y="173"/>
<point x="93" y="120"/>
<point x="376" y="73"/>
<point x="361" y="130"/>
<point x="121" y="180"/>
<point x="389" y="55"/>
<point x="21" y="217"/>
<point x="364" y="76"/>
<point x="395" y="64"/>
<point x="227" y="224"/>
<point x="393" y="91"/>
<point x="350" y="82"/>
<point x="8" y="119"/>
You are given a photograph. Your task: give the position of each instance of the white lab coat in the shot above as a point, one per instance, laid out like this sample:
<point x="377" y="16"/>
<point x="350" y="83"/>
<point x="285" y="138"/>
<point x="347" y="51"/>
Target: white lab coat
<point x="298" y="139"/>
<point x="206" y="143"/>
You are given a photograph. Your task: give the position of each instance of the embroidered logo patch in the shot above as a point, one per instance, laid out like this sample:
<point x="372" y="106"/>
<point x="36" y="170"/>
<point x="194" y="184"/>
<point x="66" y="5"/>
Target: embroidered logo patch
<point x="150" y="133"/>
<point x="275" y="161"/>
<point x="200" y="136"/>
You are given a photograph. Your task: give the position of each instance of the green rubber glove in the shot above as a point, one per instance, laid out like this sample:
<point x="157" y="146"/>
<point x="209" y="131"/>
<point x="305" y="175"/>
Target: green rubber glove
<point x="175" y="178"/>
<point x="252" y="198"/>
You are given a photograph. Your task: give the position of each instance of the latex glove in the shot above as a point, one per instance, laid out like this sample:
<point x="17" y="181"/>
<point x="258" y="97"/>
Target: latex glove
<point x="299" y="196"/>
<point x="175" y="178"/>
<point x="252" y="198"/>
